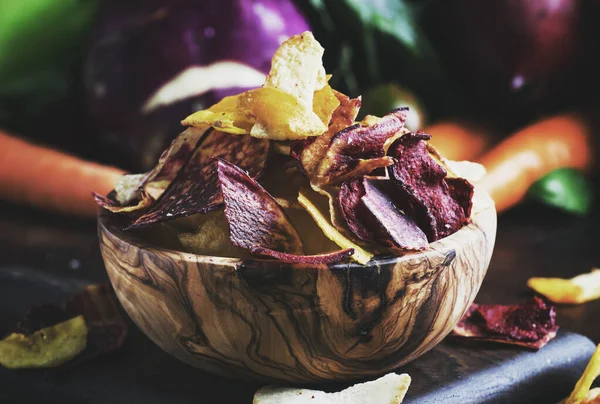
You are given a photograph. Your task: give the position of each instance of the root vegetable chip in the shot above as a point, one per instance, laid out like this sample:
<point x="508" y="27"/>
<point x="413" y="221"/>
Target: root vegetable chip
<point x="111" y="205"/>
<point x="133" y="191"/>
<point x="358" y="150"/>
<point x="310" y="152"/>
<point x="388" y="389"/>
<point x="87" y="325"/>
<point x="196" y="187"/>
<point x="295" y="101"/>
<point x="326" y="258"/>
<point x="255" y="219"/>
<point x="397" y="230"/>
<point x="360" y="255"/>
<point x="531" y="325"/>
<point x="266" y="113"/>
<point x="297" y="67"/>
<point x="581" y="393"/>
<point x="577" y="290"/>
<point x="373" y="217"/>
<point x="421" y="183"/>
<point x="49" y="347"/>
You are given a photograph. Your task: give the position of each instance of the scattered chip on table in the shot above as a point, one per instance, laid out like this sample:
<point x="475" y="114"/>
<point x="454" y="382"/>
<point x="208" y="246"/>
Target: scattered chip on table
<point x="531" y="325"/>
<point x="582" y="394"/>
<point x="579" y="289"/>
<point x="388" y="389"/>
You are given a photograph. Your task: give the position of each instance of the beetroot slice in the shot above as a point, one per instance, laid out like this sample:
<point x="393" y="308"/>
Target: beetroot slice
<point x="195" y="189"/>
<point x="357" y="216"/>
<point x="326" y="258"/>
<point x="400" y="232"/>
<point x="255" y="219"/>
<point x="531" y="325"/>
<point x="462" y="191"/>
<point x="422" y="188"/>
<point x="373" y="217"/>
<point x="358" y="150"/>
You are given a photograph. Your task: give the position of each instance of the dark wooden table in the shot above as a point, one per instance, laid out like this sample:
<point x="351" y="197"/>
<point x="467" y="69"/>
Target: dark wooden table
<point x="38" y="248"/>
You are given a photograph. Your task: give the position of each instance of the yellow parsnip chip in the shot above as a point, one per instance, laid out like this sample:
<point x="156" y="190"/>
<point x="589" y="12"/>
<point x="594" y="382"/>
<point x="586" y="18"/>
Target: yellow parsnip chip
<point x="582" y="394"/>
<point x="48" y="347"/>
<point x="577" y="290"/>
<point x="294" y="103"/>
<point x="360" y="255"/>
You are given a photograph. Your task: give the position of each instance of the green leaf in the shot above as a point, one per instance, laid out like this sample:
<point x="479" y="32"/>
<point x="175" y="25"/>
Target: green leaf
<point x="566" y="189"/>
<point x="392" y="17"/>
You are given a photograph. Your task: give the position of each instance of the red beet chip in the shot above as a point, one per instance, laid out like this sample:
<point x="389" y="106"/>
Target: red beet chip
<point x="255" y="219"/>
<point x="422" y="188"/>
<point x="359" y="149"/>
<point x="195" y="189"/>
<point x="326" y="258"/>
<point x="257" y="222"/>
<point x="531" y="325"/>
<point x="374" y="218"/>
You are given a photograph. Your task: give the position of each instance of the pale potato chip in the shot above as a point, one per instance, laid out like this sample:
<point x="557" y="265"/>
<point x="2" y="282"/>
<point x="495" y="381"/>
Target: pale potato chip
<point x="128" y="188"/>
<point x="294" y="103"/>
<point x="577" y="290"/>
<point x="360" y="255"/>
<point x="388" y="389"/>
<point x="581" y="393"/>
<point x="211" y="237"/>
<point x="297" y="67"/>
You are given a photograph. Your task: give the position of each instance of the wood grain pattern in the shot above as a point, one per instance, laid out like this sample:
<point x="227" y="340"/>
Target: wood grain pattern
<point x="263" y="321"/>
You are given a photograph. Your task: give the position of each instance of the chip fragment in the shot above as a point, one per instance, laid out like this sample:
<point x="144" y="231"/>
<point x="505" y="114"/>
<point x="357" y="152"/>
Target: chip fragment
<point x="579" y="289"/>
<point x="255" y="219"/>
<point x="50" y="335"/>
<point x="582" y="394"/>
<point x="360" y="255"/>
<point x="423" y="187"/>
<point x="359" y="149"/>
<point x="295" y="101"/>
<point x="48" y="347"/>
<point x="373" y="217"/>
<point x="195" y="189"/>
<point x="531" y="325"/>
<point x="325" y="258"/>
<point x="388" y="389"/>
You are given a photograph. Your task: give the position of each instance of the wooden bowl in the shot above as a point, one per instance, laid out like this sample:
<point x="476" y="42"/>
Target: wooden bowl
<point x="262" y="321"/>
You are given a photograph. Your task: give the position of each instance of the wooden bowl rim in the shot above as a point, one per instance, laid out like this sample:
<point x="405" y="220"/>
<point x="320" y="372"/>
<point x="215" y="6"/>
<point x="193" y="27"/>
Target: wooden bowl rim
<point x="138" y="243"/>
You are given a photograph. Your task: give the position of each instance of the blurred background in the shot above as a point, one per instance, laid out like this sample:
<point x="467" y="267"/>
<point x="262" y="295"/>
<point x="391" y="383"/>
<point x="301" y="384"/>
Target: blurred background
<point x="109" y="81"/>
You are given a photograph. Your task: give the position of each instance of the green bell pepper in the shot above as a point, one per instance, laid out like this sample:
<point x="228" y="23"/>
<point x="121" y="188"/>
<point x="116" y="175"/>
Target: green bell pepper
<point x="566" y="189"/>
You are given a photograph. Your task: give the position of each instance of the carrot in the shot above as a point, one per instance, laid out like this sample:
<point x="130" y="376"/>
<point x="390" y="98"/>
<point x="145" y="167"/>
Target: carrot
<point x="520" y="160"/>
<point x="458" y="140"/>
<point x="51" y="180"/>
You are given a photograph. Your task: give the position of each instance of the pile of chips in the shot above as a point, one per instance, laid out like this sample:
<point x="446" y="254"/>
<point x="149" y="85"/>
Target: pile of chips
<point x="371" y="187"/>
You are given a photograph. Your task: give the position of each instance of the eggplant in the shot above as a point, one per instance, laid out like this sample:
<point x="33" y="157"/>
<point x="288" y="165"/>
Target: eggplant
<point x="151" y="63"/>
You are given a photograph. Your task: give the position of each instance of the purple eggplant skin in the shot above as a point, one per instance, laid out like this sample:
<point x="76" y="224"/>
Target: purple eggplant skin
<point x="139" y="46"/>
